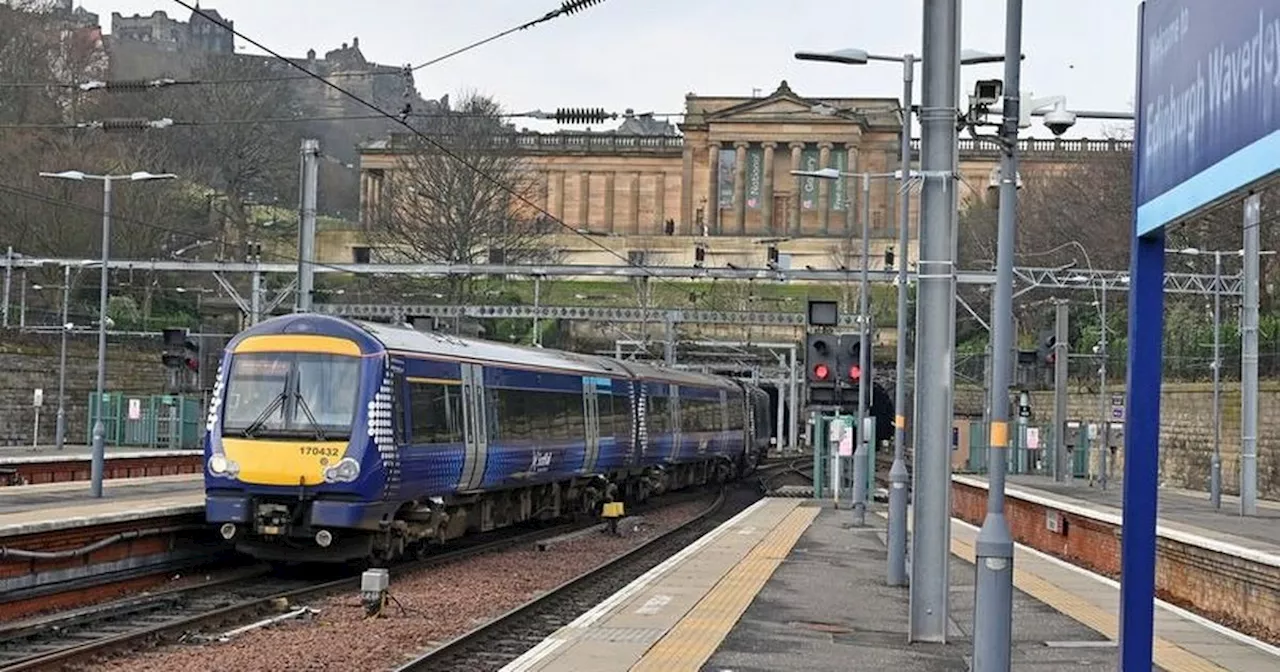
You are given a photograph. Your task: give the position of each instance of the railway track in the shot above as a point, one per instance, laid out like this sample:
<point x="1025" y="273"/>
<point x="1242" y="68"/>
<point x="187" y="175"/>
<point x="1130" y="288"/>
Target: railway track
<point x="188" y="614"/>
<point x="182" y="614"/>
<point x="502" y="640"/>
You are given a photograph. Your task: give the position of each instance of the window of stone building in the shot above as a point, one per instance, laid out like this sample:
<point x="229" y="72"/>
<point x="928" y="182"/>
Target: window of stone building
<point x="637" y="257"/>
<point x="360" y="254"/>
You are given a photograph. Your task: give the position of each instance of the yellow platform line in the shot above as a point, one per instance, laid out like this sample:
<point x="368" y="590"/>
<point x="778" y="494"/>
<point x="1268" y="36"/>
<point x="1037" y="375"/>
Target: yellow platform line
<point x="688" y="645"/>
<point x="1167" y="655"/>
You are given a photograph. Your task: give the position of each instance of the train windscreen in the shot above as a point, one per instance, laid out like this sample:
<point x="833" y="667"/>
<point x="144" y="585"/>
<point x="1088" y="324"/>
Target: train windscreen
<point x="291" y="395"/>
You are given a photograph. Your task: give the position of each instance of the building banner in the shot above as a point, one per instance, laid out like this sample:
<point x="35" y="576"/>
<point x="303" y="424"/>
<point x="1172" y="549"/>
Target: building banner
<point x="755" y="177"/>
<point x="840" y="188"/>
<point x="810" y="159"/>
<point x="728" y="164"/>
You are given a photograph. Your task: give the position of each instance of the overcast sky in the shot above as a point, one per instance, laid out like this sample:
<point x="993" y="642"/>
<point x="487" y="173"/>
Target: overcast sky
<point x="647" y="54"/>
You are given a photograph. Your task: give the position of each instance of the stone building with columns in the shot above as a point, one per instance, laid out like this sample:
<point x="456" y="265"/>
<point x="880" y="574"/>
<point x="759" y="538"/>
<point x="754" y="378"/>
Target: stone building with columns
<point x="723" y="182"/>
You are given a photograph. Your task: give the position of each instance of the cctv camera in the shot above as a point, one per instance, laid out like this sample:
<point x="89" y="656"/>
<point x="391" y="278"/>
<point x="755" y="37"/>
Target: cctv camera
<point x="1059" y="120"/>
<point x="986" y="92"/>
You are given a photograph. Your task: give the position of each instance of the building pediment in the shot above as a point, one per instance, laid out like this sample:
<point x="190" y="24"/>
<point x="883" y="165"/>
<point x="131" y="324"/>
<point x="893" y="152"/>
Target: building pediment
<point x="783" y="105"/>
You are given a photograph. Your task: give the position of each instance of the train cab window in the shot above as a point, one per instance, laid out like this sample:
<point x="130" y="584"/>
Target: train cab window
<point x="435" y="412"/>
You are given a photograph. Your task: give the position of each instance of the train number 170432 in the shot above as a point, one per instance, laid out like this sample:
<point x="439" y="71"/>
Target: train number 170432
<point x="319" y="451"/>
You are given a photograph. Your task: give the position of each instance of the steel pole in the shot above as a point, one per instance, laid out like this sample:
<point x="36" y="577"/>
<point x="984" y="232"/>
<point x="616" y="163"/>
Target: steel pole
<point x="898" y="475"/>
<point x="60" y="429"/>
<point x="307" y="229"/>
<point x="537" y="302"/>
<point x="1104" y="430"/>
<point x="99" y="429"/>
<point x="255" y="298"/>
<point x="1249" y="361"/>
<point x="8" y="282"/>
<point x="1215" y="462"/>
<point x="993" y="551"/>
<point x="931" y="514"/>
<point x="793" y="430"/>
<point x="860" y="449"/>
<point x="1063" y="469"/>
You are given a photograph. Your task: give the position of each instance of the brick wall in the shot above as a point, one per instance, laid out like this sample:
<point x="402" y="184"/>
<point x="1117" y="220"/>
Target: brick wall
<point x="29" y="361"/>
<point x="1186" y="431"/>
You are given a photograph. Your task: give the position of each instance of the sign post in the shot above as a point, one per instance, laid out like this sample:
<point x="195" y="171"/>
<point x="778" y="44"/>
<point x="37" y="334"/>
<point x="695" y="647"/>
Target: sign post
<point x="1207" y="125"/>
<point x="37" y="402"/>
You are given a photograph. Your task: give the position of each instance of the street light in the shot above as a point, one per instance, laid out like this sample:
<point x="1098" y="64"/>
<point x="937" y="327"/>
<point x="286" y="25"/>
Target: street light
<point x="898" y="475"/>
<point x="99" y="430"/>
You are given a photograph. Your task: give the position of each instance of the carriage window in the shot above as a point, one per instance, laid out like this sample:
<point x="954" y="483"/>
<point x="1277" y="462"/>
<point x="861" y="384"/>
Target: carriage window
<point x="435" y="412"/>
<point x="658" y="412"/>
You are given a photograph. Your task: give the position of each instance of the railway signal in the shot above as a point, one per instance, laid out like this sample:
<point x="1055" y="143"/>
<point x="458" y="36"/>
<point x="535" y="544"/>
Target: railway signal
<point x="821" y="365"/>
<point x="851" y="373"/>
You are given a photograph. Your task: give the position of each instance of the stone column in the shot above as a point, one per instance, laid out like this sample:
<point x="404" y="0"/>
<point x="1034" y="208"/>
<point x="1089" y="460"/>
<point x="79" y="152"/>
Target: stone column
<point x="584" y="200"/>
<point x="366" y="203"/>
<point x="610" y="184"/>
<point x="740" y="189"/>
<point x="633" y="205"/>
<point x="686" y="193"/>
<point x="713" y="188"/>
<point x="853" y="196"/>
<point x="660" y="201"/>
<point x="797" y="187"/>
<point x="546" y="190"/>
<point x="766" y="189"/>
<point x="824" y="189"/>
<point x="559" y="211"/>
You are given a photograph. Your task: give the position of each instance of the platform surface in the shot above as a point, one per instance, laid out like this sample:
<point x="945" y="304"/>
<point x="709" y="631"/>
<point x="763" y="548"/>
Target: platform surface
<point x="12" y="455"/>
<point x="1178" y="510"/>
<point x="789" y="585"/>
<point x="37" y="508"/>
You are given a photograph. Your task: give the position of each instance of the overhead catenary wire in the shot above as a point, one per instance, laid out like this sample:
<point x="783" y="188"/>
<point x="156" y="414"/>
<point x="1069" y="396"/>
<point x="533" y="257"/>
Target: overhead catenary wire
<point x="192" y="123"/>
<point x="567" y="8"/>
<point x="442" y="149"/>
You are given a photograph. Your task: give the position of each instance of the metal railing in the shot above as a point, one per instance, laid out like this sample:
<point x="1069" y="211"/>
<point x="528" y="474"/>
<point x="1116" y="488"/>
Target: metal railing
<point x="609" y="143"/>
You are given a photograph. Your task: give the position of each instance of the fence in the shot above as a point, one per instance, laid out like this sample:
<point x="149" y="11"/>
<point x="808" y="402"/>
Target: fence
<point x="1023" y="459"/>
<point x="159" y="421"/>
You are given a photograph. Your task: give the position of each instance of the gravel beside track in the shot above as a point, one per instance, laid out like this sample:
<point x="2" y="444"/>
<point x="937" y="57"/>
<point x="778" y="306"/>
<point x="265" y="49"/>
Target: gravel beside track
<point x="433" y="606"/>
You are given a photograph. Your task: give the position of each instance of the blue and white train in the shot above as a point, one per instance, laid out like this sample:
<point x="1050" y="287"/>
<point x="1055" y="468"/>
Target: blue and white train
<point x="335" y="440"/>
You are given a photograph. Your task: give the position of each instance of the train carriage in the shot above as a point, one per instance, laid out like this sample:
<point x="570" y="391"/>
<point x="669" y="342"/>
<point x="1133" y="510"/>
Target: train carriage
<point x="335" y="440"/>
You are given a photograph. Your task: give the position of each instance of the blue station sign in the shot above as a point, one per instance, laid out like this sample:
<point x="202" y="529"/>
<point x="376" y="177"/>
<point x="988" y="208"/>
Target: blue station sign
<point x="1208" y="119"/>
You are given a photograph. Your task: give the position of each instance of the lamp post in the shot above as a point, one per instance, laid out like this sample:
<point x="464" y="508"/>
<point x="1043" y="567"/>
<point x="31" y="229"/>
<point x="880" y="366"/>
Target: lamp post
<point x="898" y="475"/>
<point x="99" y="430"/>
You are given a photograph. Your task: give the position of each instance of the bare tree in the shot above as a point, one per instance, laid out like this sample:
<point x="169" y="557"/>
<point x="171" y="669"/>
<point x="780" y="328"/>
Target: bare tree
<point x="464" y="197"/>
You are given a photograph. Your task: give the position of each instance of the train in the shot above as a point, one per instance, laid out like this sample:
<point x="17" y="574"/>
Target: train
<point x="335" y="440"/>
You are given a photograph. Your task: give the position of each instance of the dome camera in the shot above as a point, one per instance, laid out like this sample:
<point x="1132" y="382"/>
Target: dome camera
<point x="1059" y="120"/>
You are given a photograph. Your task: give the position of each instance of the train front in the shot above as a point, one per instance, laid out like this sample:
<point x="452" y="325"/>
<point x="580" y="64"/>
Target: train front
<point x="292" y="470"/>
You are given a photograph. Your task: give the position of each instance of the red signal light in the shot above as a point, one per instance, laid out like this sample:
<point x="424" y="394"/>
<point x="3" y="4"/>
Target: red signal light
<point x="821" y="372"/>
<point x="855" y="372"/>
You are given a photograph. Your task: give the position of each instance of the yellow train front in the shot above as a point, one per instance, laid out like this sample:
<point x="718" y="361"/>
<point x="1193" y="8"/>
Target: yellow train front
<point x="300" y="411"/>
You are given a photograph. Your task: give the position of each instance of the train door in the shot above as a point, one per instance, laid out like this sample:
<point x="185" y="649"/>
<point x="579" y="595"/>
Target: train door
<point x="474" y="421"/>
<point x="677" y="424"/>
<point x="591" y="411"/>
<point x="726" y="423"/>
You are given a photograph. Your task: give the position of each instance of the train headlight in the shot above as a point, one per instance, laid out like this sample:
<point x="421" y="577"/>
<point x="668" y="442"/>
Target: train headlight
<point x="219" y="465"/>
<point x="345" y="471"/>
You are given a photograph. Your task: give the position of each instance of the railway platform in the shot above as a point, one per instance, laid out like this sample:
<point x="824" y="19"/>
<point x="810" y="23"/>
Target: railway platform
<point x="790" y="584"/>
<point x="27" y="465"/>
<point x="31" y="509"/>
<point x="1223" y="566"/>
